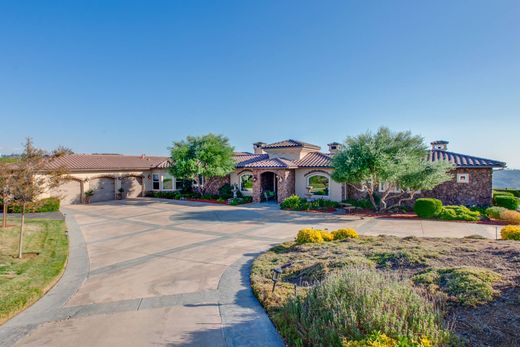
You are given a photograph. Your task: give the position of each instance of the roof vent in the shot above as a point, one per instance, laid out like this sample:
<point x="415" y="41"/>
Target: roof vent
<point x="440" y="145"/>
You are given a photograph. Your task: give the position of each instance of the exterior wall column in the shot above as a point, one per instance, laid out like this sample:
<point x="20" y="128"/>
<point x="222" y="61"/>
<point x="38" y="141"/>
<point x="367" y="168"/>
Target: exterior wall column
<point x="257" y="186"/>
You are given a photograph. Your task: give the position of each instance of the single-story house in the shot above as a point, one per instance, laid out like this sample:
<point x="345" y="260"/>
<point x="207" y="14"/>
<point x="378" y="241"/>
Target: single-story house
<point x="283" y="168"/>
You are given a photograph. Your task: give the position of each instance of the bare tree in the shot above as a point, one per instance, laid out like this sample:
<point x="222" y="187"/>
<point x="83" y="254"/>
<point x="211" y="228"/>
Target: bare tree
<point x="33" y="175"/>
<point x="6" y="188"/>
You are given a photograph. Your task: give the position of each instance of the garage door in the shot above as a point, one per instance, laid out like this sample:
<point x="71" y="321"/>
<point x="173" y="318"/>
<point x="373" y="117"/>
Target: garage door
<point x="132" y="186"/>
<point x="69" y="192"/>
<point x="104" y="189"/>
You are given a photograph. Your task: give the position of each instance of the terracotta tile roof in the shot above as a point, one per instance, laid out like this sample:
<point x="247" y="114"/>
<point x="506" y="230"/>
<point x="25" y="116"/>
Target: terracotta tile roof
<point x="290" y="143"/>
<point x="102" y="162"/>
<point x="258" y="161"/>
<point x="246" y="158"/>
<point x="315" y="159"/>
<point x="267" y="163"/>
<point x="463" y="160"/>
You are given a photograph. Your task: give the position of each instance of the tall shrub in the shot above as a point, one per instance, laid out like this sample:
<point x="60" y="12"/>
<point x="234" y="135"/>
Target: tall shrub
<point x="509" y="202"/>
<point x="427" y="207"/>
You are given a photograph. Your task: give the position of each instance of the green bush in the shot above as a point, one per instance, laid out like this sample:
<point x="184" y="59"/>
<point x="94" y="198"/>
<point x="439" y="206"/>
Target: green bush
<point x="51" y="204"/>
<point x="294" y="202"/>
<point x="515" y="192"/>
<point x="494" y="212"/>
<point x="167" y="195"/>
<point x="501" y="193"/>
<point x="468" y="286"/>
<point x="356" y="303"/>
<point x="509" y="202"/>
<point x="458" y="213"/>
<point x="427" y="207"/>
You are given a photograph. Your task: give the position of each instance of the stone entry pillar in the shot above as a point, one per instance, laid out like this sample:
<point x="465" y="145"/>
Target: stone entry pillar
<point x="285" y="183"/>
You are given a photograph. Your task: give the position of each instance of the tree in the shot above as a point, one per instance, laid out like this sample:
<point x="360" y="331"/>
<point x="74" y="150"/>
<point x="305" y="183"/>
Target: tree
<point x="6" y="188"/>
<point x="390" y="165"/>
<point x="61" y="151"/>
<point x="32" y="176"/>
<point x="202" y="157"/>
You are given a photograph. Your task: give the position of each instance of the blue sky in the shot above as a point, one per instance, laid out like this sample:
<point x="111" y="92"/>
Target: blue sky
<point x="130" y="77"/>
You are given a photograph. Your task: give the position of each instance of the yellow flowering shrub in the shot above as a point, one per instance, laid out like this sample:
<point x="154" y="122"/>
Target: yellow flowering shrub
<point x="309" y="235"/>
<point x="342" y="234"/>
<point x="510" y="232"/>
<point x="326" y="236"/>
<point x="382" y="340"/>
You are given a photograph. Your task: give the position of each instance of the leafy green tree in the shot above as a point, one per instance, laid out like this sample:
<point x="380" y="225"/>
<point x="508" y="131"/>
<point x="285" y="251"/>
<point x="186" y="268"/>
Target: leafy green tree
<point x="202" y="158"/>
<point x="392" y="165"/>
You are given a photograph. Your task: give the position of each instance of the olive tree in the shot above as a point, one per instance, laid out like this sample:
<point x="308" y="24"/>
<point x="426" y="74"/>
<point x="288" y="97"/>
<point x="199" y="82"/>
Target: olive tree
<point x="33" y="174"/>
<point x="390" y="165"/>
<point x="6" y="188"/>
<point x="202" y="157"/>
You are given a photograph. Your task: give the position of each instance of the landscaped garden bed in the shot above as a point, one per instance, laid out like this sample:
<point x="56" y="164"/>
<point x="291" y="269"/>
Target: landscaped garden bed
<point x="360" y="291"/>
<point x="296" y="203"/>
<point x="23" y="281"/>
<point x="224" y="197"/>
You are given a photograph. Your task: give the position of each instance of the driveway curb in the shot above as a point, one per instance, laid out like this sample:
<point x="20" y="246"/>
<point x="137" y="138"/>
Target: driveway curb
<point x="244" y="320"/>
<point x="48" y="306"/>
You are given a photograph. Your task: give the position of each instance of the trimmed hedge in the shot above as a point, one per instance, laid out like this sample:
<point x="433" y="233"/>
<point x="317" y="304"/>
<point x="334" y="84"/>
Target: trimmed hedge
<point x="459" y="213"/>
<point x="515" y="192"/>
<point x="51" y="204"/>
<point x="294" y="202"/>
<point x="509" y="202"/>
<point x="427" y="207"/>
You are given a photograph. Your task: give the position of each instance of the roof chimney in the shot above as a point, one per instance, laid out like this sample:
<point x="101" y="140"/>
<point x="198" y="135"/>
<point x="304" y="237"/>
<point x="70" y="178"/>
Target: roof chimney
<point x="257" y="147"/>
<point x="440" y="145"/>
<point x="334" y="147"/>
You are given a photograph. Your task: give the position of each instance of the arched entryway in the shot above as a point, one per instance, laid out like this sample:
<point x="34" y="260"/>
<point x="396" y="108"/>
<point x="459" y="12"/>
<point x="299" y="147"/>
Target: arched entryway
<point x="269" y="186"/>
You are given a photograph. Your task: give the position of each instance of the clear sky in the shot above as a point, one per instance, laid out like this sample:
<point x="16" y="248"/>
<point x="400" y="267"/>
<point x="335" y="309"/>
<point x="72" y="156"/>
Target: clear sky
<point x="132" y="76"/>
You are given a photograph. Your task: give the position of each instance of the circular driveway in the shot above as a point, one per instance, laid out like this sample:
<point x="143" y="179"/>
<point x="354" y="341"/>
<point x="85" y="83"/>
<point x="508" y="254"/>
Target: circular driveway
<point x="149" y="272"/>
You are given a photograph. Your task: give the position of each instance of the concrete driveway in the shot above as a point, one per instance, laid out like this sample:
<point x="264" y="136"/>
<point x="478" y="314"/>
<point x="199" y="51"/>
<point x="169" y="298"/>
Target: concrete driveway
<point x="148" y="272"/>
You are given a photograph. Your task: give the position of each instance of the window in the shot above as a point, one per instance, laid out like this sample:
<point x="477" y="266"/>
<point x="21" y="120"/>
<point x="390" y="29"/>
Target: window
<point x="318" y="185"/>
<point x="179" y="184"/>
<point x="383" y="186"/>
<point x="463" y="178"/>
<point x="246" y="182"/>
<point x="167" y="183"/>
<point x="155" y="182"/>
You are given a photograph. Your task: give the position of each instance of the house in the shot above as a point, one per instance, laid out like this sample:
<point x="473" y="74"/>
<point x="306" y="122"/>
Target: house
<point x="282" y="168"/>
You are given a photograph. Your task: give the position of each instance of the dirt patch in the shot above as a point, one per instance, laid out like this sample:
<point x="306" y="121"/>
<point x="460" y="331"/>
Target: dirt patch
<point x="494" y="321"/>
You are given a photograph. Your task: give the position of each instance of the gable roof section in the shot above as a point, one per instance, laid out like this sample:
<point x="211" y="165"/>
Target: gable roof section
<point x="104" y="162"/>
<point x="291" y="143"/>
<point x="315" y="159"/>
<point x="463" y="160"/>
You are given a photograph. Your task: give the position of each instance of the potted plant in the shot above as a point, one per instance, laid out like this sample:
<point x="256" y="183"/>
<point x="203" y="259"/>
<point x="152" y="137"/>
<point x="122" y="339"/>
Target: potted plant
<point x="88" y="195"/>
<point x="120" y="192"/>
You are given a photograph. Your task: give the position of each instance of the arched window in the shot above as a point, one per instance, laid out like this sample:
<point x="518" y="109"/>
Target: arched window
<point x="246" y="182"/>
<point x="318" y="185"/>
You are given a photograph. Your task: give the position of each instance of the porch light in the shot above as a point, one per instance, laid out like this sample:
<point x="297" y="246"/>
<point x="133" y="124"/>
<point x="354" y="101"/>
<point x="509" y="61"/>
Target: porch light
<point x="277" y="272"/>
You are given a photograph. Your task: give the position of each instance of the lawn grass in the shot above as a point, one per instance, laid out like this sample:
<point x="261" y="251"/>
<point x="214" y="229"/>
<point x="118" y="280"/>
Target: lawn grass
<point x="23" y="281"/>
<point x="471" y="279"/>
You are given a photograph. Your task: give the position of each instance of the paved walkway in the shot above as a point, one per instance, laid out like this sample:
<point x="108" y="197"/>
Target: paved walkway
<point x="169" y="273"/>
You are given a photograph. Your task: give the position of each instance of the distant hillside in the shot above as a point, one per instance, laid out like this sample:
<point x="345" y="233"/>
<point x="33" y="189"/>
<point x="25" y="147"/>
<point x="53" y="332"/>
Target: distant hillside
<point x="506" y="179"/>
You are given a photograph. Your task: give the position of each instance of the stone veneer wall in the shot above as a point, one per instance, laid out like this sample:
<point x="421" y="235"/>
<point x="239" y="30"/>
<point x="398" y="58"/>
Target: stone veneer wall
<point x="478" y="191"/>
<point x="286" y="183"/>
<point x="213" y="184"/>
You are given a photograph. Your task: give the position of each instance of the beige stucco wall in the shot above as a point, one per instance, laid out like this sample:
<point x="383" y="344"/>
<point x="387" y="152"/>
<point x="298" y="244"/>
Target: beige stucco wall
<point x="86" y="177"/>
<point x="288" y="153"/>
<point x="302" y="176"/>
<point x="235" y="179"/>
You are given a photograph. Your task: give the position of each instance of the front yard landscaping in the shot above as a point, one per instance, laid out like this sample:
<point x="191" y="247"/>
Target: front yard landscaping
<point x="23" y="281"/>
<point x="390" y="291"/>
